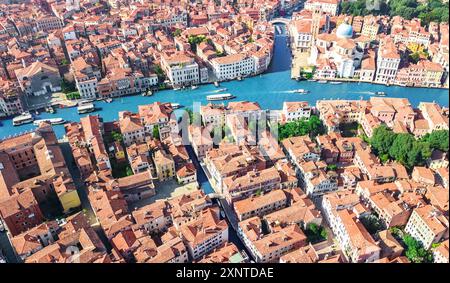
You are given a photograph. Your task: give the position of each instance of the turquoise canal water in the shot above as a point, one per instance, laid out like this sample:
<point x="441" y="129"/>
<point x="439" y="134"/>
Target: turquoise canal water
<point x="270" y="90"/>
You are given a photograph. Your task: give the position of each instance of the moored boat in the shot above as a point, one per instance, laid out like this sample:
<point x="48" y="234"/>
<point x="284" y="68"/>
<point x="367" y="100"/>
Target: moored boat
<point x="24" y="118"/>
<point x="53" y="121"/>
<point x="322" y="82"/>
<point x="194" y="87"/>
<point x="335" y="83"/>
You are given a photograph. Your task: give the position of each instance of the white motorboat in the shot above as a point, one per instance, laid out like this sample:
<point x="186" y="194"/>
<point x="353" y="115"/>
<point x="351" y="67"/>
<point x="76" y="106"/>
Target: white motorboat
<point x="175" y="105"/>
<point x="303" y="91"/>
<point x="224" y="96"/>
<point x="86" y="108"/>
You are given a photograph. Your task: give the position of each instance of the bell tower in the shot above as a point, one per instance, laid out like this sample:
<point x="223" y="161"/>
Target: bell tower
<point x="316" y="15"/>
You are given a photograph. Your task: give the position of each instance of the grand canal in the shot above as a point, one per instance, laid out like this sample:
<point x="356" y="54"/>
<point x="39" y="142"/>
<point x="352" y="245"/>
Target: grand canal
<point x="270" y="90"/>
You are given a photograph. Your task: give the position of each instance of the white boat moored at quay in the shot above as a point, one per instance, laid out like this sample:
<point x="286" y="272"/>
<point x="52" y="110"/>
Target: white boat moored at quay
<point x="24" y="118"/>
<point x="322" y="82"/>
<point x="53" y="121"/>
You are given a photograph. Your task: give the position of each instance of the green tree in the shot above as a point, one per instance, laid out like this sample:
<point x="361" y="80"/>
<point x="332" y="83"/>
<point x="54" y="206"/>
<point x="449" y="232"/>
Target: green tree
<point x="332" y="167"/>
<point x="194" y="40"/>
<point x="67" y="87"/>
<point x="156" y="132"/>
<point x="400" y="148"/>
<point x="177" y="32"/>
<point x="372" y="223"/>
<point x="382" y="139"/>
<point x="438" y="140"/>
<point x="415" y="252"/>
<point x="315" y="233"/>
<point x="117" y="136"/>
<point x="313" y="127"/>
<point x="129" y="172"/>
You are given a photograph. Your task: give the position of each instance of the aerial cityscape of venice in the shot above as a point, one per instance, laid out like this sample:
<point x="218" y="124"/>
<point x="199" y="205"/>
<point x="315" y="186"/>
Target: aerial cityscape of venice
<point x="224" y="131"/>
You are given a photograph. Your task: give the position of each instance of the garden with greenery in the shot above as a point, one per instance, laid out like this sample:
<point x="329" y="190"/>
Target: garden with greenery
<point x="68" y="87"/>
<point x="120" y="169"/>
<point x="312" y="126"/>
<point x="428" y="11"/>
<point x="414" y="250"/>
<point x="73" y="95"/>
<point x="405" y="148"/>
<point x="349" y="129"/>
<point x="315" y="233"/>
<point x="372" y="223"/>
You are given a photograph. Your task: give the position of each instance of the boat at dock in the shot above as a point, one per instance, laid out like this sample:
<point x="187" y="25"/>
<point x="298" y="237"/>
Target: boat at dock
<point x="216" y="84"/>
<point x="85" y="107"/>
<point x="53" y="121"/>
<point x="24" y="118"/>
<point x="147" y="93"/>
<point x="322" y="82"/>
<point x="335" y="83"/>
<point x="49" y="109"/>
<point x="224" y="96"/>
<point x="108" y="100"/>
<point x="300" y="90"/>
<point x="176" y="105"/>
<point x="312" y="80"/>
<point x="194" y="87"/>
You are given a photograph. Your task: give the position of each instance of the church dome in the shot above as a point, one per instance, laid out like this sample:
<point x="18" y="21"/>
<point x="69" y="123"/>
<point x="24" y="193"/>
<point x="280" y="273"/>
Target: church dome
<point x="344" y="31"/>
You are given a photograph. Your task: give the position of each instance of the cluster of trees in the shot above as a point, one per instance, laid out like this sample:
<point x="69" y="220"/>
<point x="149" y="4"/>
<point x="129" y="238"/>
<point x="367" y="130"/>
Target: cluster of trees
<point x="312" y="126"/>
<point x="372" y="223"/>
<point x="155" y="132"/>
<point x="68" y="86"/>
<point x="194" y="40"/>
<point x="116" y="136"/>
<point x="315" y="233"/>
<point x="404" y="148"/>
<point x="429" y="11"/>
<point x="415" y="251"/>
